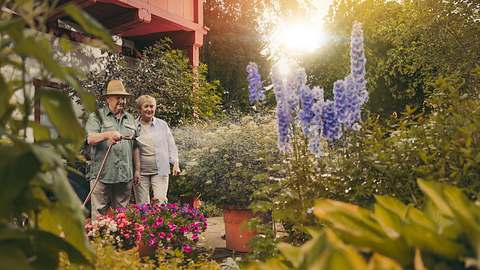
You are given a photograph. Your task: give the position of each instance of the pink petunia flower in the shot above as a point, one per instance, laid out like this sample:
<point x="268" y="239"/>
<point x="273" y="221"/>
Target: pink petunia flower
<point x="186" y="249"/>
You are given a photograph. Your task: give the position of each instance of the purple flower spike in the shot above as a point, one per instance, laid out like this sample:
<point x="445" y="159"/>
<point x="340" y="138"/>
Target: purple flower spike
<point x="283" y="122"/>
<point x="306" y="103"/>
<point x="331" y="127"/>
<point x="358" y="61"/>
<point x="255" y="88"/>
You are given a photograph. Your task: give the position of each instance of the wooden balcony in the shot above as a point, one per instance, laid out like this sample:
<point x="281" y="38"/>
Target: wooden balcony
<point x="145" y="21"/>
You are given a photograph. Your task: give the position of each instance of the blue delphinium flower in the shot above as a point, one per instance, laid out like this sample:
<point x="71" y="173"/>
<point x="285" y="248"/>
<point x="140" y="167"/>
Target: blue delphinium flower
<point x="331" y="127"/>
<point x="283" y="123"/>
<point x="342" y="108"/>
<point x="255" y="89"/>
<point x="351" y="93"/>
<point x="298" y="104"/>
<point x="316" y="127"/>
<point x="296" y="79"/>
<point x="354" y="104"/>
<point x="306" y="114"/>
<point x="357" y="62"/>
<point x="283" y="112"/>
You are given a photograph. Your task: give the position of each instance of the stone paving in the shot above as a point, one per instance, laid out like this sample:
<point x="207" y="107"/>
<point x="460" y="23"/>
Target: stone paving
<point x="212" y="239"/>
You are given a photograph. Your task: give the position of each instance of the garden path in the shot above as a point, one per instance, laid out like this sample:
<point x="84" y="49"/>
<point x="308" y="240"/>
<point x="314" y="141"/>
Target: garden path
<point x="212" y="239"/>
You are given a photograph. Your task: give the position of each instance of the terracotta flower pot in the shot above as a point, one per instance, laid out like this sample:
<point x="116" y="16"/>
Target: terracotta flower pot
<point x="237" y="234"/>
<point x="145" y="250"/>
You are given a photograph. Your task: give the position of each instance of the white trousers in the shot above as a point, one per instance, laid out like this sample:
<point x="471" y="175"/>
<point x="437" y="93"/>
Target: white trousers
<point x="159" y="186"/>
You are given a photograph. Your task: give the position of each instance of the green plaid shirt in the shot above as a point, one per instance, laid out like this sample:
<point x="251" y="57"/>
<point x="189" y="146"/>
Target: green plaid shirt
<point x="119" y="164"/>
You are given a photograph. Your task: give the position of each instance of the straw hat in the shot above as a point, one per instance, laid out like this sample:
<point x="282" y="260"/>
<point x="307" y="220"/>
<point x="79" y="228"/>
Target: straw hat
<point x="116" y="88"/>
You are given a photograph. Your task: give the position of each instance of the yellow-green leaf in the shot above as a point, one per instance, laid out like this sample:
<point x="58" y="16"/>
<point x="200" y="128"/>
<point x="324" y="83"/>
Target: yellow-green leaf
<point x="59" y="109"/>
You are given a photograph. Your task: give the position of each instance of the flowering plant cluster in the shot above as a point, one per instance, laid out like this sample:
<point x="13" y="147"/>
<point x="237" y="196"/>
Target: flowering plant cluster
<point x="114" y="229"/>
<point x="299" y="105"/>
<point x="169" y="226"/>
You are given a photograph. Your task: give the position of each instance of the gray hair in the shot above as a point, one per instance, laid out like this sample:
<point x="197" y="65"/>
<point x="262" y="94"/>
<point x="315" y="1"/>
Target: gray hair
<point x="144" y="99"/>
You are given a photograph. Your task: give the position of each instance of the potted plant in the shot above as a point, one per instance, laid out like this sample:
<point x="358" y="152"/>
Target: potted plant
<point x="231" y="168"/>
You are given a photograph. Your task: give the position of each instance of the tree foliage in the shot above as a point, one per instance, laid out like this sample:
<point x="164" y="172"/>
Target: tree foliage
<point x="235" y="39"/>
<point x="409" y="45"/>
<point x="40" y="215"/>
<point x="182" y="93"/>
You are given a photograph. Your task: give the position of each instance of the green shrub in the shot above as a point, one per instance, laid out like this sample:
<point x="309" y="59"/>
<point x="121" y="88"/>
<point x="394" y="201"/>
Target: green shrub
<point x="226" y="161"/>
<point x="442" y="235"/>
<point x="110" y="258"/>
<point x="387" y="158"/>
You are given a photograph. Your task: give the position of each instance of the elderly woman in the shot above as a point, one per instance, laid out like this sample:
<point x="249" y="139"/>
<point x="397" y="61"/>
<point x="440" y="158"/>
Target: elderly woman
<point x="157" y="151"/>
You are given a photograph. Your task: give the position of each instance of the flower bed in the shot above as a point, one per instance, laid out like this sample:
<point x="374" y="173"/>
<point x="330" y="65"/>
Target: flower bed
<point x="167" y="226"/>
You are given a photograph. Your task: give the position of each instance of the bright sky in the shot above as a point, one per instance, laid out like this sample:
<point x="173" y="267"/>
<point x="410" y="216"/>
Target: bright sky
<point x="302" y="36"/>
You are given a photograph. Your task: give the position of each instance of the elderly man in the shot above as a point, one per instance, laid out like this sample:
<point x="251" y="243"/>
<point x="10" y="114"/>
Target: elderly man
<point x="123" y="164"/>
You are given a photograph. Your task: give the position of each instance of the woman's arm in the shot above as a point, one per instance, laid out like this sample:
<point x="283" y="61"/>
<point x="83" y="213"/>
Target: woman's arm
<point x="136" y="164"/>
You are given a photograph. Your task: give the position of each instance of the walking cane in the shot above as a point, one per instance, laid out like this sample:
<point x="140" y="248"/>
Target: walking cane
<point x="101" y="168"/>
<point x="98" y="175"/>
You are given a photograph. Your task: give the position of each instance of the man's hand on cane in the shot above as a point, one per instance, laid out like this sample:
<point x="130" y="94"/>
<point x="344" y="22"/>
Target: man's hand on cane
<point x="112" y="137"/>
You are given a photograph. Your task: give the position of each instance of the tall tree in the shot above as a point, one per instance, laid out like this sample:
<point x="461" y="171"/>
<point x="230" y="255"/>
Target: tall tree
<point x="408" y="44"/>
<point x="234" y="40"/>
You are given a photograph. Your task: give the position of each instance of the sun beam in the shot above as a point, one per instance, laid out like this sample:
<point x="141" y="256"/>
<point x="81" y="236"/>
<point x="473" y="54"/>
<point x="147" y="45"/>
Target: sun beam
<point x="298" y="35"/>
<point x="297" y="38"/>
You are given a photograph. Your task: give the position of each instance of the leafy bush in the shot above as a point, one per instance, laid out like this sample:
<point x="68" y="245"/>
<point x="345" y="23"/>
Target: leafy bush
<point x="387" y="158"/>
<point x="182" y="93"/>
<point x="40" y="215"/>
<point x="227" y="162"/>
<point x="444" y="235"/>
<point x="109" y="257"/>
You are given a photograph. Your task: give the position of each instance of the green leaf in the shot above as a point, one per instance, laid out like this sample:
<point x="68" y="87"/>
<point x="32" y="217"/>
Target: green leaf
<point x="466" y="214"/>
<point x="14" y="27"/>
<point x="434" y="192"/>
<point x="392" y="204"/>
<point x="12" y="257"/>
<point x="390" y="222"/>
<point x="432" y="242"/>
<point x="5" y="95"/>
<point x="8" y="232"/>
<point x="65" y="44"/>
<point x="379" y="262"/>
<point x="65" y="215"/>
<point x="356" y="226"/>
<point x="88" y="100"/>
<point x="416" y="216"/>
<point x="42" y="52"/>
<point x="89" y="24"/>
<point x="15" y="173"/>
<point x="293" y="254"/>
<point x="40" y="132"/>
<point x="58" y="107"/>
<point x="49" y="244"/>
